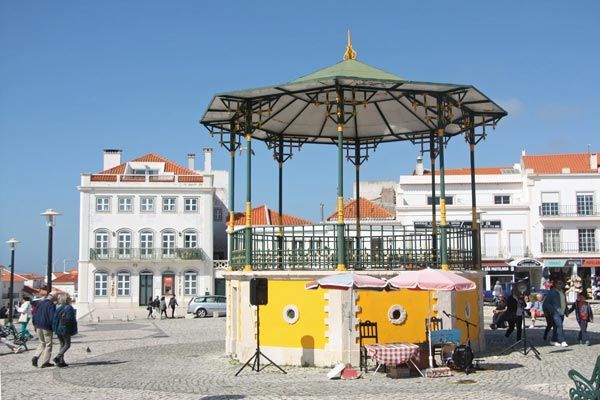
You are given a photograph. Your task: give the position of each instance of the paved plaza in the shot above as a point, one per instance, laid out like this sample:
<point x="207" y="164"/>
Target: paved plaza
<point x="184" y="359"/>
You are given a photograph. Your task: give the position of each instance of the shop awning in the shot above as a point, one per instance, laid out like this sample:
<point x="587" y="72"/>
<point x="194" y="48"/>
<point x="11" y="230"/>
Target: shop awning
<point x="555" y="263"/>
<point x="591" y="262"/>
<point x="526" y="262"/>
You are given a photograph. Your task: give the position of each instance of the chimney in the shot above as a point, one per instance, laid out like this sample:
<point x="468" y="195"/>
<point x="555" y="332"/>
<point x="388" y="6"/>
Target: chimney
<point x="523" y="153"/>
<point x="419" y="166"/>
<point x="594" y="162"/>
<point x="112" y="158"/>
<point x="208" y="159"/>
<point x="191" y="161"/>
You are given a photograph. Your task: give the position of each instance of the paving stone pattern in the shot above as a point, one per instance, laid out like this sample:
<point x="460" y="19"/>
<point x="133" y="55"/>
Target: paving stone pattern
<point x="184" y="359"/>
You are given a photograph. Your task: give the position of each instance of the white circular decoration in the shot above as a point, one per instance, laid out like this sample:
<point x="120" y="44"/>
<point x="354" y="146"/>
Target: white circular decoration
<point x="468" y="310"/>
<point x="290" y="314"/>
<point x="397" y="314"/>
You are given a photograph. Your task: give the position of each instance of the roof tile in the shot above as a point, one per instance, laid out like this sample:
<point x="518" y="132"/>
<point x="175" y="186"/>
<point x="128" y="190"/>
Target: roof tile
<point x="578" y="163"/>
<point x="262" y="215"/>
<point x="368" y="210"/>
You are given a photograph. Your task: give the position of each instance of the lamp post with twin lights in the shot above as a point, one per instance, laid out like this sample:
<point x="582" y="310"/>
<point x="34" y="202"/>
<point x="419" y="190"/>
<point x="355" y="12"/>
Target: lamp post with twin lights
<point x="50" y="215"/>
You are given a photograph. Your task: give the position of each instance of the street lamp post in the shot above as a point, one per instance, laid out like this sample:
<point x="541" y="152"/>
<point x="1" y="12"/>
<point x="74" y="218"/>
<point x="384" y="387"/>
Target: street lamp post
<point x="12" y="243"/>
<point x="50" y="215"/>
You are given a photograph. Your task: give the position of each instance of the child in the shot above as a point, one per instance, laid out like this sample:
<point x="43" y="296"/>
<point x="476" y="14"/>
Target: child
<point x="536" y="309"/>
<point x="583" y="314"/>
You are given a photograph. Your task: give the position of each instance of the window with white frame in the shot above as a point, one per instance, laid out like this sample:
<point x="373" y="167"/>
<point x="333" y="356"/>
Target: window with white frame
<point x="168" y="244"/>
<point x="587" y="240"/>
<point x="100" y="284"/>
<point x="585" y="203"/>
<point x="146" y="244"/>
<point x="217" y="214"/>
<point x="549" y="204"/>
<point x="190" y="283"/>
<point x="125" y="204"/>
<point x="124" y="244"/>
<point x="169" y="204"/>
<point x="123" y="283"/>
<point x="147" y="204"/>
<point x="501" y="199"/>
<point x="551" y="243"/>
<point x="101" y="244"/>
<point x="102" y="203"/>
<point x="190" y="239"/>
<point x="190" y="204"/>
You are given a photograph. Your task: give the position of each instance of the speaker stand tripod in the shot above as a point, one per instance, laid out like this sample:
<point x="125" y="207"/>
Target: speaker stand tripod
<point x="527" y="347"/>
<point x="254" y="361"/>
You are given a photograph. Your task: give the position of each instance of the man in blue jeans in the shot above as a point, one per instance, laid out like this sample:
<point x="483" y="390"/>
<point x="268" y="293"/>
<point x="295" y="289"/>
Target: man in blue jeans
<point x="555" y="306"/>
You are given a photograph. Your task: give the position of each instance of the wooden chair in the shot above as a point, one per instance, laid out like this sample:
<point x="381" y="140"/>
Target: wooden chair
<point x="367" y="331"/>
<point x="436" y="324"/>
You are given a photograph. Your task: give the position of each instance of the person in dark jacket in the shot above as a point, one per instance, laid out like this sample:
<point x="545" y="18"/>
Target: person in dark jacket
<point x="514" y="313"/>
<point x="163" y="307"/>
<point x="173" y="304"/>
<point x="64" y="325"/>
<point x="583" y="314"/>
<point x="555" y="307"/>
<point x="42" y="322"/>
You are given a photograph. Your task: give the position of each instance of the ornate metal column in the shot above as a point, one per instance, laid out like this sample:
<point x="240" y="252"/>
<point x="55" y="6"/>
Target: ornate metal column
<point x="248" y="230"/>
<point x="341" y="243"/>
<point x="475" y="223"/>
<point x="443" y="223"/>
<point x="432" y="157"/>
<point x="232" y="147"/>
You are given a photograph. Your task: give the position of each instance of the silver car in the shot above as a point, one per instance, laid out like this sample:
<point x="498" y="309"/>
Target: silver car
<point x="207" y="305"/>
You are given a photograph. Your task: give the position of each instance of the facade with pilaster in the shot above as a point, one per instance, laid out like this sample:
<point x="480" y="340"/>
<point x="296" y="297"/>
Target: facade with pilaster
<point x="149" y="227"/>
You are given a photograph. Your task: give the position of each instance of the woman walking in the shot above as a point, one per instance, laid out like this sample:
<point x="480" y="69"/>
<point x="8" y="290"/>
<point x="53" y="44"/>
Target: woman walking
<point x="163" y="307"/>
<point x="25" y="317"/>
<point x="64" y="325"/>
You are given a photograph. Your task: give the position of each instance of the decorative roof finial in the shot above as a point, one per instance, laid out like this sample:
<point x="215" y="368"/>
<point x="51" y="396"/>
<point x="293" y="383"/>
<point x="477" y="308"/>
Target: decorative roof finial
<point x="350" y="54"/>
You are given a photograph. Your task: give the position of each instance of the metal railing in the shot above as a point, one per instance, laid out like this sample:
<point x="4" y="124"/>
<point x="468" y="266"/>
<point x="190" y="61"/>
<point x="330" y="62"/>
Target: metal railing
<point x="584" y="210"/>
<point x="140" y="254"/>
<point x="569" y="247"/>
<point x="311" y="247"/>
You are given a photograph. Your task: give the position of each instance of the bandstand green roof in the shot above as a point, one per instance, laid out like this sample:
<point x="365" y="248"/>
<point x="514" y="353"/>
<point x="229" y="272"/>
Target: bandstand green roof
<point x="378" y="107"/>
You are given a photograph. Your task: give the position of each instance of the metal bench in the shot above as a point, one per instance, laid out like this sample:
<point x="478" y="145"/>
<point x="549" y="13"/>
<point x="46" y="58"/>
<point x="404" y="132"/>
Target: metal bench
<point x="586" y="389"/>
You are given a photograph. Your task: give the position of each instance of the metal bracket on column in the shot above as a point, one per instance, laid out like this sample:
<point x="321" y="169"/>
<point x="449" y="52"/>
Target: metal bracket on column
<point x="362" y="155"/>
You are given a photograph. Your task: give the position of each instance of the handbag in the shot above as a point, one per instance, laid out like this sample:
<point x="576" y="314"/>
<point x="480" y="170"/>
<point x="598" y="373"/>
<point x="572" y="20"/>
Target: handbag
<point x="23" y="318"/>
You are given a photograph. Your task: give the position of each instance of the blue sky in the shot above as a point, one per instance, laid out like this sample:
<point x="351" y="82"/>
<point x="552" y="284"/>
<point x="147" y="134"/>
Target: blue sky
<point x="80" y="76"/>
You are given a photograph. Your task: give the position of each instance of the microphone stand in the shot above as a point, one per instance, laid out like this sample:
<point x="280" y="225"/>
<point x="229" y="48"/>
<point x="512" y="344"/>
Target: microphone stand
<point x="467" y="323"/>
<point x="527" y="347"/>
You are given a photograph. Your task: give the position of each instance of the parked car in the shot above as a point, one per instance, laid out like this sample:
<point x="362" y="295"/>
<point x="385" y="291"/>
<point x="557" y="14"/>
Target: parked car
<point x="207" y="305"/>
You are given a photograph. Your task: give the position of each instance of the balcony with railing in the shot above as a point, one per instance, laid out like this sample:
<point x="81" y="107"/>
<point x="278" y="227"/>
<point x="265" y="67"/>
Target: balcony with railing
<point x="569" y="247"/>
<point x="313" y="247"/>
<point x="499" y="253"/>
<point x="554" y="211"/>
<point x="147" y="254"/>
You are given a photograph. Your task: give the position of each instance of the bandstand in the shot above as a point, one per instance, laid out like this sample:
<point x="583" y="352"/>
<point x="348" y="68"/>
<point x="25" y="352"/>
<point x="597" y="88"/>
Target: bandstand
<point x="355" y="108"/>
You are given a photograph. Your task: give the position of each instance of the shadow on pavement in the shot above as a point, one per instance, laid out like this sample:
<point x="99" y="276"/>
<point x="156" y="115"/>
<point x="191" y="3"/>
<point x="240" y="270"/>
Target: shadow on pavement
<point x="223" y="397"/>
<point x="93" y="363"/>
<point x="500" y="366"/>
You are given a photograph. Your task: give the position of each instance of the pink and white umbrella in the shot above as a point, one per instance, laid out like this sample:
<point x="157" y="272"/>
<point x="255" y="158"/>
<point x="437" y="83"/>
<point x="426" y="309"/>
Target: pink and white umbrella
<point x="348" y="281"/>
<point x="431" y="279"/>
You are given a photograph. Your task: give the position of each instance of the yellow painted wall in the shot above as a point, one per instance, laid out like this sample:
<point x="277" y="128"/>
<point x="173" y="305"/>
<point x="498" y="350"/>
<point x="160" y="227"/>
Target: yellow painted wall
<point x="374" y="307"/>
<point x="461" y="299"/>
<point x="309" y="331"/>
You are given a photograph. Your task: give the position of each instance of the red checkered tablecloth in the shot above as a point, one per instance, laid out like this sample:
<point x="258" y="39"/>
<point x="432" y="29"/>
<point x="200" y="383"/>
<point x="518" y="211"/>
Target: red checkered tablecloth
<point x="392" y="353"/>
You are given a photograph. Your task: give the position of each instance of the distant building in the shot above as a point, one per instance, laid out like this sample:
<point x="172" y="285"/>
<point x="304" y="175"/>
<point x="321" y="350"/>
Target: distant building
<point x="149" y="227"/>
<point x="18" y="284"/>
<point x="540" y="212"/>
<point x="66" y="282"/>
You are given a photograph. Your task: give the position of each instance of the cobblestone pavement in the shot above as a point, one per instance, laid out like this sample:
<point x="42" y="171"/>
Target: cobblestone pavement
<point x="184" y="359"/>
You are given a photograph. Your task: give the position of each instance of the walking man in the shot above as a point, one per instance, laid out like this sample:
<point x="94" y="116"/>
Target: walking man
<point x="42" y="322"/>
<point x="555" y="306"/>
<point x="173" y="304"/>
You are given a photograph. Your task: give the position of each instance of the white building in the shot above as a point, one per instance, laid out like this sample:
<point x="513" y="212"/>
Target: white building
<point x="541" y="211"/>
<point x="149" y="227"/>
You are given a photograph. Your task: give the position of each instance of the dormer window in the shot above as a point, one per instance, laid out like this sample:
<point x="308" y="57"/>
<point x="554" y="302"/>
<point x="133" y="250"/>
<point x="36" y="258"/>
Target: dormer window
<point x="145" y="171"/>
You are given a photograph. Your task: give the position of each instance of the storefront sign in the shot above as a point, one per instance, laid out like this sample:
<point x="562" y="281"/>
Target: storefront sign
<point x="461" y="224"/>
<point x="554" y="263"/>
<point x="492" y="268"/>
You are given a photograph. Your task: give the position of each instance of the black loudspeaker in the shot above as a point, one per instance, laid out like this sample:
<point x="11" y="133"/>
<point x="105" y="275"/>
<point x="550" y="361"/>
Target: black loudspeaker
<point x="259" y="291"/>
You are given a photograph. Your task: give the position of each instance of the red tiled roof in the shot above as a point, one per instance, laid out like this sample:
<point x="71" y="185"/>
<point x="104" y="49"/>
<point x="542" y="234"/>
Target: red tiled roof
<point x="65" y="278"/>
<point x="578" y="163"/>
<point x="368" y="210"/>
<point x="109" y="175"/>
<point x="41" y="292"/>
<point x="32" y="276"/>
<point x="262" y="215"/>
<point x="16" y="278"/>
<point x="467" y="171"/>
